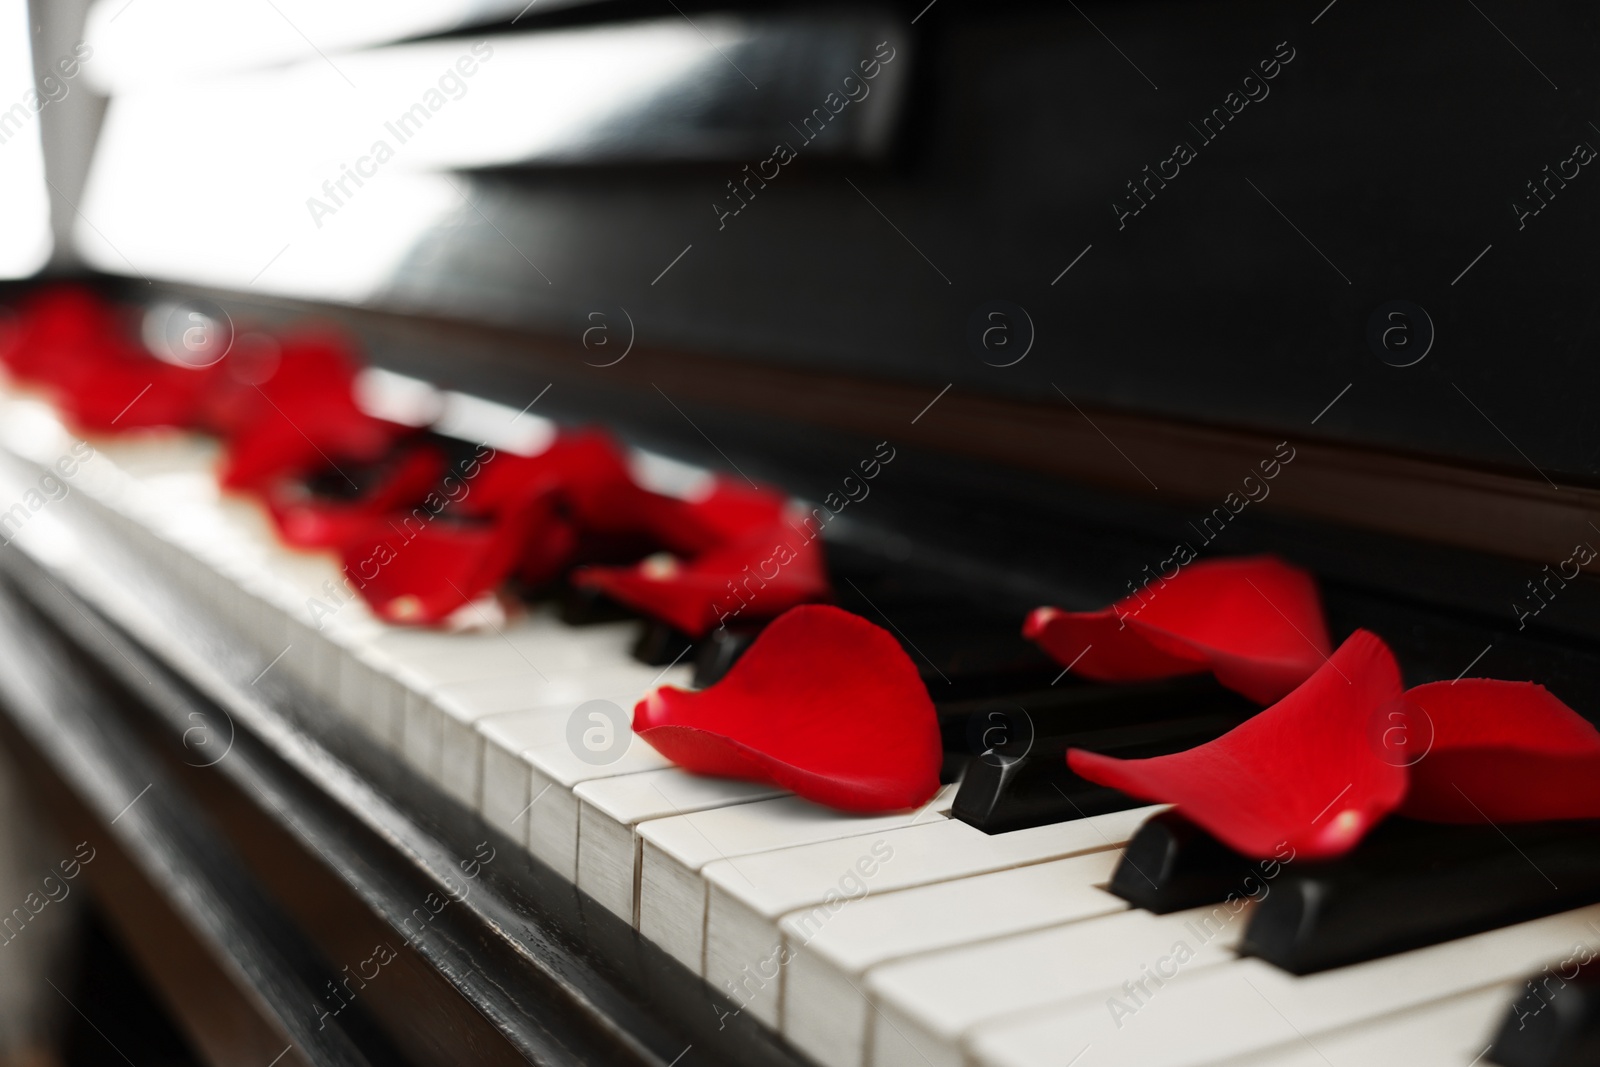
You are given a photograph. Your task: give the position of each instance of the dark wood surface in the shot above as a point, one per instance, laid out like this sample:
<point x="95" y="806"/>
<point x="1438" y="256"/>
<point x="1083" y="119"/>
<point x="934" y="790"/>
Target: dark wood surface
<point x="222" y="1020"/>
<point x="760" y="411"/>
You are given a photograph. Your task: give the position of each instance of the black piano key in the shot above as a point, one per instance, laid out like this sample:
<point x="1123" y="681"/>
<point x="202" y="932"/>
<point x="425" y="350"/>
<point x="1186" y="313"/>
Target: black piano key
<point x="1003" y="792"/>
<point x="1412" y="884"/>
<point x="1555" y="1020"/>
<point x="963" y="657"/>
<point x="1018" y="775"/>
<point x="719" y="650"/>
<point x="957" y="653"/>
<point x="583" y="606"/>
<point x="1172" y="864"/>
<point x="661" y="644"/>
<point x="964" y="641"/>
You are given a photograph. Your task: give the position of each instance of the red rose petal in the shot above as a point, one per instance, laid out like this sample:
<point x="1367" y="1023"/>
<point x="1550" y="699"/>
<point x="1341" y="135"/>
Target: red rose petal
<point x="1303" y="771"/>
<point x="300" y="419"/>
<point x="1502" y="752"/>
<point x="758" y="578"/>
<point x="551" y="543"/>
<point x="130" y="390"/>
<point x="71" y="342"/>
<point x="595" y="512"/>
<point x="282" y="445"/>
<point x="731" y="512"/>
<point x="59" y="328"/>
<point x="412" y="572"/>
<point x="584" y="465"/>
<point x="309" y="375"/>
<point x="1255" y="623"/>
<point x="824" y="703"/>
<point x="308" y="521"/>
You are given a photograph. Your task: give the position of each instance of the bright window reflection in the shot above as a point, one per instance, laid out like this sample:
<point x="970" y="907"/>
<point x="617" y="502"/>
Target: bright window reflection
<point x="24" y="198"/>
<point x="318" y="179"/>
<point x="153" y="41"/>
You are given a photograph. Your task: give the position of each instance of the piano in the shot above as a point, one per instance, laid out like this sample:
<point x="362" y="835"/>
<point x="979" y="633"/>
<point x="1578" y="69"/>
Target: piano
<point x="1069" y="274"/>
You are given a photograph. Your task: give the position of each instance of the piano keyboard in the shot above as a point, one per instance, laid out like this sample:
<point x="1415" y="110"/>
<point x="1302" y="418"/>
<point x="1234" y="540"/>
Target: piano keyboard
<point x="906" y="939"/>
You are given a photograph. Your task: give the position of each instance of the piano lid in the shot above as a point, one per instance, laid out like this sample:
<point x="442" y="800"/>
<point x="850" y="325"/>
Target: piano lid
<point x="1303" y="224"/>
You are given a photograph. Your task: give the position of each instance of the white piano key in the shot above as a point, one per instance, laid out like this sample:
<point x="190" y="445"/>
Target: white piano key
<point x="1250" y="1005"/>
<point x="611" y="809"/>
<point x="297" y="658"/>
<point x="1450" y="1033"/>
<point x="352" y="626"/>
<point x="748" y="896"/>
<point x="425" y="661"/>
<point x="527" y="757"/>
<point x="371" y="695"/>
<point x="505" y="795"/>
<point x="445" y="719"/>
<point x="598" y="645"/>
<point x="458" y="708"/>
<point x="674" y="851"/>
<point x="825" y="1011"/>
<point x="31" y="430"/>
<point x="422" y="729"/>
<point x="926" y="1004"/>
<point x="554" y="770"/>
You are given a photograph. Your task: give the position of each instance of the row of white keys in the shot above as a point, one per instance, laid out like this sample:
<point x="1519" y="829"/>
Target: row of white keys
<point x="447" y="690"/>
<point x="675" y="851"/>
<point x="267" y="590"/>
<point x="452" y="681"/>
<point x="159" y="490"/>
<point x="1455" y="1032"/>
<point x="978" y="888"/>
<point x="926" y="1005"/>
<point x="228" y="553"/>
<point x="419" y="692"/>
<point x="440" y="734"/>
<point x="422" y="693"/>
<point x="212" y="546"/>
<point x="530" y="769"/>
<point x="748" y="897"/>
<point x="611" y="810"/>
<point x="1247" y="1005"/>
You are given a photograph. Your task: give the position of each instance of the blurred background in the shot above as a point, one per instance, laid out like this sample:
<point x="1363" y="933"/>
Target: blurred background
<point x="729" y="179"/>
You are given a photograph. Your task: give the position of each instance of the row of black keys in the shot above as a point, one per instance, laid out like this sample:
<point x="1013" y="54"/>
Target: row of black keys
<point x="1406" y="886"/>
